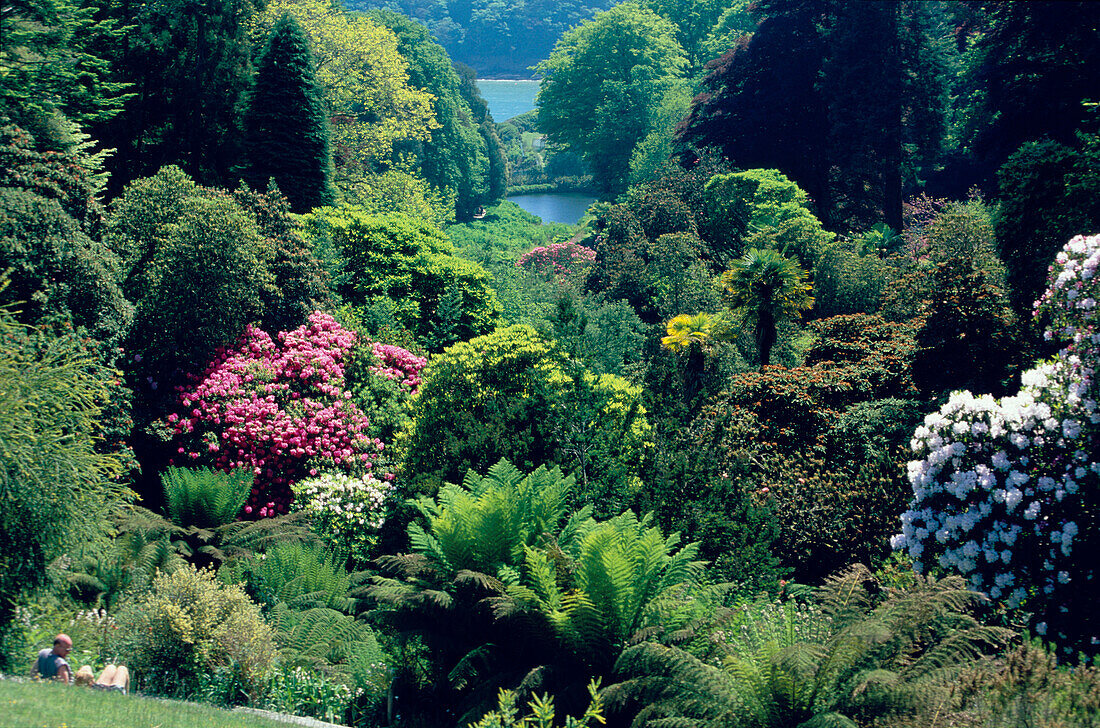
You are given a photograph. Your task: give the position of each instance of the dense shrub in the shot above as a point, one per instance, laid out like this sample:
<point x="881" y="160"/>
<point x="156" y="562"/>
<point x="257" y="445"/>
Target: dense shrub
<point x="563" y="260"/>
<point x="407" y="260"/>
<point x="277" y="408"/>
<point x="853" y="359"/>
<point x="967" y="336"/>
<point x="1006" y="490"/>
<point x="847" y="282"/>
<point x="346" y="511"/>
<point x="382" y="379"/>
<point x="56" y="488"/>
<point x="1048" y="192"/>
<point x="832" y="517"/>
<point x="699" y="482"/>
<point x="194" y="264"/>
<point x="514" y="394"/>
<point x="189" y="627"/>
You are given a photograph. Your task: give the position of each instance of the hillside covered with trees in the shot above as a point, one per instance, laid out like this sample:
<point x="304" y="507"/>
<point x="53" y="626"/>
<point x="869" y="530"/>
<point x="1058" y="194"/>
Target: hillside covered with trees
<point x="799" y="425"/>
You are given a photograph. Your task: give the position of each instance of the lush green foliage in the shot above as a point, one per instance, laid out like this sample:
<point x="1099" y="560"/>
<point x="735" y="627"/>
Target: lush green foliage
<point x="445" y="298"/>
<point x="503" y="580"/>
<point x="515" y="394"/>
<point x="857" y="650"/>
<point x="500" y="40"/>
<point x="187" y="628"/>
<point x="286" y="130"/>
<point x="969" y="512"/>
<point x="456" y="158"/>
<point x="1048" y="193"/>
<point x="602" y="84"/>
<point x="365" y="83"/>
<point x="57" y="489"/>
<point x="203" y="497"/>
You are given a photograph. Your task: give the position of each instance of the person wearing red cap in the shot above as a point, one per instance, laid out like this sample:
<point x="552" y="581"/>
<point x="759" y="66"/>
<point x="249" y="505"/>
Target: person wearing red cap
<point x="51" y="664"/>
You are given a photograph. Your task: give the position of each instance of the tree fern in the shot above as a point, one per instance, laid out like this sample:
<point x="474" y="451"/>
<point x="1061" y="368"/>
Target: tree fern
<point x="507" y="586"/>
<point x="301" y="575"/>
<point x="329" y="642"/>
<point x="204" y="498"/>
<point x="859" y="652"/>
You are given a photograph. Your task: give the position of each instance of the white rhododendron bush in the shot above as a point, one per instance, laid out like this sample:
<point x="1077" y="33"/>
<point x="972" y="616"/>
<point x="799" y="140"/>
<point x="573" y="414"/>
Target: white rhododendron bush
<point x="1006" y="490"/>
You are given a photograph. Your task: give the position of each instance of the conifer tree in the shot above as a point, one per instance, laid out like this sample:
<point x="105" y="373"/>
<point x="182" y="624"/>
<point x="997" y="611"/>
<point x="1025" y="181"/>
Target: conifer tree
<point x="287" y="133"/>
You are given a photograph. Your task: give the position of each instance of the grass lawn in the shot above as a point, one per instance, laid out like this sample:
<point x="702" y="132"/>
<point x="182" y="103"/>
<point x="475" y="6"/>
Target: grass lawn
<point x="51" y="705"/>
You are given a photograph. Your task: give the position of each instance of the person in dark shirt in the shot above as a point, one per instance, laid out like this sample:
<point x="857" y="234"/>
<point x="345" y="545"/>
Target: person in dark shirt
<point x="51" y="664"/>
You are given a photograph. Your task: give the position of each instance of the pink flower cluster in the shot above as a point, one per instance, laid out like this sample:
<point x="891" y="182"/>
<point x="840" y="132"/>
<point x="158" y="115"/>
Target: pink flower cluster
<point x="398" y="364"/>
<point x="278" y="408"/>
<point x="562" y="259"/>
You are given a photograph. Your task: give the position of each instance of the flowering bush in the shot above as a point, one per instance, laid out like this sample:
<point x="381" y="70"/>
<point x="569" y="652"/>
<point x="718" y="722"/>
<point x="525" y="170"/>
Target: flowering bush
<point x="398" y="364"/>
<point x="278" y="408"/>
<point x="562" y="259"/>
<point x="1007" y="490"/>
<point x="188" y="627"/>
<point x="347" y="510"/>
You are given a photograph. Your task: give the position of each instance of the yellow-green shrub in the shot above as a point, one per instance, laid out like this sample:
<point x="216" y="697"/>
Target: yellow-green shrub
<point x="190" y="627"/>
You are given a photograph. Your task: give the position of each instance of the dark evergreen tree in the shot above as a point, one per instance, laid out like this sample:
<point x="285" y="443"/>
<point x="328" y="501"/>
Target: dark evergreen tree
<point x="759" y="111"/>
<point x="1036" y="63"/>
<point x="188" y="66"/>
<point x="1049" y="193"/>
<point x="846" y="99"/>
<point x="862" y="83"/>
<point x="287" y="133"/>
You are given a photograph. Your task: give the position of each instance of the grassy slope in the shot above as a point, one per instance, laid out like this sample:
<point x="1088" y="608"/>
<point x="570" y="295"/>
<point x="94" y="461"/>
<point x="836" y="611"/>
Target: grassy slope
<point x="50" y="705"/>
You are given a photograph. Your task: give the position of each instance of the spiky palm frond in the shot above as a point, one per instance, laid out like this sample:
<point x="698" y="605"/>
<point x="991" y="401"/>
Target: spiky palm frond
<point x="859" y="651"/>
<point x="699" y="329"/>
<point x="204" y="497"/>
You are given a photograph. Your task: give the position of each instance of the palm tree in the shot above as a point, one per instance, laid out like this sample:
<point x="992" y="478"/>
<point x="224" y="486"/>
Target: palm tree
<point x="762" y="289"/>
<point x="687" y="330"/>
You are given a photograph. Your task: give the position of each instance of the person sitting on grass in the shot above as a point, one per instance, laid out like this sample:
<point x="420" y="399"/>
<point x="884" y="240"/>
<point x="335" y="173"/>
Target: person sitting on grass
<point x="113" y="677"/>
<point x="51" y="664"/>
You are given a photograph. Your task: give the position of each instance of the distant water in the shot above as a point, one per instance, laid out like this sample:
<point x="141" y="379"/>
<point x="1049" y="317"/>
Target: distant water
<point x="566" y="207"/>
<point x="508" y="98"/>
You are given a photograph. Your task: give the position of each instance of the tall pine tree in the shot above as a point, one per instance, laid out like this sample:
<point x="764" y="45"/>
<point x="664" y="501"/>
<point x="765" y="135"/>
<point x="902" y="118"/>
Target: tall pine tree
<point x="287" y="133"/>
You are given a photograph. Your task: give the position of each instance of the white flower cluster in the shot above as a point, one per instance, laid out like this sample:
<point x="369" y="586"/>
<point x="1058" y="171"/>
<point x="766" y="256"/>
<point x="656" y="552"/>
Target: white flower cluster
<point x="350" y="505"/>
<point x="1001" y="486"/>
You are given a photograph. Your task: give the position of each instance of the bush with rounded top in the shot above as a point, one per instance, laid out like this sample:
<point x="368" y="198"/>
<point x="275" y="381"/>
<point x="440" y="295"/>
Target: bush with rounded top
<point x="1007" y="491"/>
<point x="188" y="627"/>
<point x="279" y="408"/>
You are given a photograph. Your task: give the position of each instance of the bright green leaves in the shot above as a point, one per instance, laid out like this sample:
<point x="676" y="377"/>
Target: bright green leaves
<point x="604" y="84"/>
<point x="410" y="261"/>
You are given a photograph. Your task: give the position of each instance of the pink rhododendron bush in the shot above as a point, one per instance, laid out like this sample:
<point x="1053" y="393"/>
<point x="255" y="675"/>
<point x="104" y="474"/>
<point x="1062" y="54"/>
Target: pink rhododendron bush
<point x="280" y="407"/>
<point x="560" y="259"/>
<point x="1007" y="492"/>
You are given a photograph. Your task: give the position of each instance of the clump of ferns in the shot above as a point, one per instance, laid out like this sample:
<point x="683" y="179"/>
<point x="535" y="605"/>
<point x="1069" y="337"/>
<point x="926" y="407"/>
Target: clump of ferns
<point x="854" y="654"/>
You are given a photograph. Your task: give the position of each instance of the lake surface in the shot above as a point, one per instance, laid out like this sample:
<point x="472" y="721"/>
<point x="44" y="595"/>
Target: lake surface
<point x="508" y="98"/>
<point x="566" y="207"/>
